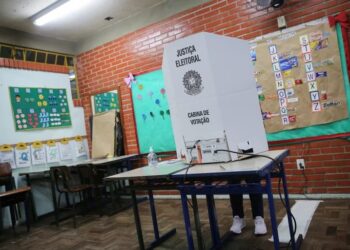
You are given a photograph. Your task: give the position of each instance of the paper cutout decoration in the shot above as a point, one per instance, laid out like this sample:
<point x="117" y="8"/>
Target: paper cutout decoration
<point x="22" y="155"/>
<point x="162" y="113"/>
<point x="65" y="150"/>
<point x="162" y="91"/>
<point x="139" y="97"/>
<point x="168" y="112"/>
<point x="52" y="152"/>
<point x="144" y="117"/>
<point x="38" y="153"/>
<point x="80" y="149"/>
<point x="129" y="80"/>
<point x="7" y="154"/>
<point x="151" y="114"/>
<point x="150" y="94"/>
<point x="157" y="102"/>
<point x="140" y="87"/>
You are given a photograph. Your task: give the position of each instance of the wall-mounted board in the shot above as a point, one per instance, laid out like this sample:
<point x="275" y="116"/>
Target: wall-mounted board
<point x="152" y="113"/>
<point x="37" y="108"/>
<point x="104" y="102"/>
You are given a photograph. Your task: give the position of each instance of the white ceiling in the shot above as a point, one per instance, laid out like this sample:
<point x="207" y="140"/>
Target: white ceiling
<point x="85" y="22"/>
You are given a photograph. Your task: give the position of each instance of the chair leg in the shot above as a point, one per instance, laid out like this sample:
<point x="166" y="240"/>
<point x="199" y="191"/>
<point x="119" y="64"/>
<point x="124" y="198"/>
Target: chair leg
<point x="74" y="212"/>
<point x="13" y="217"/>
<point x="58" y="209"/>
<point x="27" y="208"/>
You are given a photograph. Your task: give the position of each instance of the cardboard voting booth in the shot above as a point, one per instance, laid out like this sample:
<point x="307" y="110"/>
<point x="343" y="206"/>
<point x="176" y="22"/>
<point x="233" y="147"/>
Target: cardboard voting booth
<point x="212" y="97"/>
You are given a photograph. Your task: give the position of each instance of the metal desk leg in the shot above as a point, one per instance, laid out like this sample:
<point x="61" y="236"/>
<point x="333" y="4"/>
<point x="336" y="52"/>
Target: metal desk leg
<point x="197" y="222"/>
<point x="54" y="200"/>
<point x="137" y="219"/>
<point x="187" y="221"/>
<point x="295" y="245"/>
<point x="158" y="239"/>
<point x="215" y="235"/>
<point x="29" y="184"/>
<point x="276" y="241"/>
<point x="154" y="215"/>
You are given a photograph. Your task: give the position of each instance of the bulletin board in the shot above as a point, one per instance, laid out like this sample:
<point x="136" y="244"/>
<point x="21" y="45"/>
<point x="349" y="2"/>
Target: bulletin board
<point x="152" y="113"/>
<point x="302" y="85"/>
<point x="38" y="108"/>
<point x="104" y="102"/>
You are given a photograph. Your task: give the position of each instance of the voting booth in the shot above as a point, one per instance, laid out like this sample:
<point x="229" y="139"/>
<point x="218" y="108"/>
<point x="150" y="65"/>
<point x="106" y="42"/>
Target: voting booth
<point x="212" y="97"/>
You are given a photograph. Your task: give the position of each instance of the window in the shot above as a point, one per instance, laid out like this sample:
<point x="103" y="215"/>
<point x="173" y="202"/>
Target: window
<point x="41" y="57"/>
<point x="30" y="55"/>
<point x="60" y="60"/>
<point x="19" y="54"/>
<point x="6" y="52"/>
<point x="51" y="59"/>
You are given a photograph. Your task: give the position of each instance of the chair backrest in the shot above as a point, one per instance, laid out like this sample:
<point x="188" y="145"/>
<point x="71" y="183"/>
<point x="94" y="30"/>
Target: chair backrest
<point x="89" y="174"/>
<point x="62" y="178"/>
<point x="5" y="169"/>
<point x="6" y="178"/>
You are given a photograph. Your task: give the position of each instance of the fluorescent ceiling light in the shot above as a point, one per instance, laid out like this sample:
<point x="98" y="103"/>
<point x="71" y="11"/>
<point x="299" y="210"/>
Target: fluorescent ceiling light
<point x="58" y="10"/>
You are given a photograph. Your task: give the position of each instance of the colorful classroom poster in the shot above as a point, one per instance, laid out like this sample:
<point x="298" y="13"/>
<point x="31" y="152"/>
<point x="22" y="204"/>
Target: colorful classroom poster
<point x="38" y="153"/>
<point x="38" y="108"/>
<point x="22" y="155"/>
<point x="152" y="113"/>
<point x="299" y="78"/>
<point x="105" y="102"/>
<point x="52" y="152"/>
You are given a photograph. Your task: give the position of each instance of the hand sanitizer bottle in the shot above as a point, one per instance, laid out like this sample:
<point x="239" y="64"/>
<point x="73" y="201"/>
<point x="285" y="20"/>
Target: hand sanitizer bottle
<point x="152" y="158"/>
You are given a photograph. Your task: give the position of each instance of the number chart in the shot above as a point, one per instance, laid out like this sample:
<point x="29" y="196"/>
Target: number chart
<point x="39" y="108"/>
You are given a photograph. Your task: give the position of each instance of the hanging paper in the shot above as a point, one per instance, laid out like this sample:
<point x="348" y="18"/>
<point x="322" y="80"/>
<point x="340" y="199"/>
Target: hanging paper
<point x="80" y="149"/>
<point x="65" y="150"/>
<point x="38" y="153"/>
<point x="52" y="152"/>
<point x="7" y="154"/>
<point x="22" y="155"/>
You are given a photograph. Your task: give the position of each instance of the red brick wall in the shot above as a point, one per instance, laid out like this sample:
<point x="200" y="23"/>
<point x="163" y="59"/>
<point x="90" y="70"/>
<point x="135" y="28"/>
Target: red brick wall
<point x="103" y="69"/>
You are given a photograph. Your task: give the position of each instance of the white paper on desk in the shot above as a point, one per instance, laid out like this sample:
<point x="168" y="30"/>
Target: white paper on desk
<point x="65" y="151"/>
<point x="8" y="156"/>
<point x="52" y="154"/>
<point x="23" y="157"/>
<point x="38" y="155"/>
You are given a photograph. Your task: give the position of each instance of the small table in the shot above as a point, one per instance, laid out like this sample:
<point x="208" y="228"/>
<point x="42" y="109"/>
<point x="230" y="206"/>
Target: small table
<point x="269" y="165"/>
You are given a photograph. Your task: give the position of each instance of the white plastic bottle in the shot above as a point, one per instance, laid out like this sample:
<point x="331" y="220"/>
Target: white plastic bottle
<point x="152" y="158"/>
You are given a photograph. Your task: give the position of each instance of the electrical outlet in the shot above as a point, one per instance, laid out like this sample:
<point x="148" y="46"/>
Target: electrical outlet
<point x="301" y="164"/>
<point x="281" y="22"/>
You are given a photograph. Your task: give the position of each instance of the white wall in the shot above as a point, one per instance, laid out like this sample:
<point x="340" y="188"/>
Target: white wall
<point x="27" y="78"/>
<point x="8" y="134"/>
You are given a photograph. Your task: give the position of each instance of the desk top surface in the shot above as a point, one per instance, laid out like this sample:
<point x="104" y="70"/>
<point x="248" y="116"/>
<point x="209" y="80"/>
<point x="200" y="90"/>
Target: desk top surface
<point x="178" y="168"/>
<point x="39" y="169"/>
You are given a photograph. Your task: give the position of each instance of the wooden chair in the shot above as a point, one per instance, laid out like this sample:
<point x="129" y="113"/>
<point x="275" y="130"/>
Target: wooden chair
<point x="12" y="196"/>
<point x="64" y="184"/>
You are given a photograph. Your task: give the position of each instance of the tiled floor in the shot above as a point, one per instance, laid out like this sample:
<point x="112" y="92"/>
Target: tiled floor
<point x="329" y="229"/>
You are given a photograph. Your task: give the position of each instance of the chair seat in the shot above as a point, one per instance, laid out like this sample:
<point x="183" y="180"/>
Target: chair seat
<point x="77" y="188"/>
<point x="13" y="196"/>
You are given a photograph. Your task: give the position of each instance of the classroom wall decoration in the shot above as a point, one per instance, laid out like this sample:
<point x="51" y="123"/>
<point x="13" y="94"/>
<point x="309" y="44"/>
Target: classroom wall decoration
<point x="152" y="113"/>
<point x="105" y="102"/>
<point x="52" y="152"/>
<point x="38" y="153"/>
<point x="22" y="155"/>
<point x="299" y="79"/>
<point x="7" y="154"/>
<point x="65" y="150"/>
<point x="35" y="108"/>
